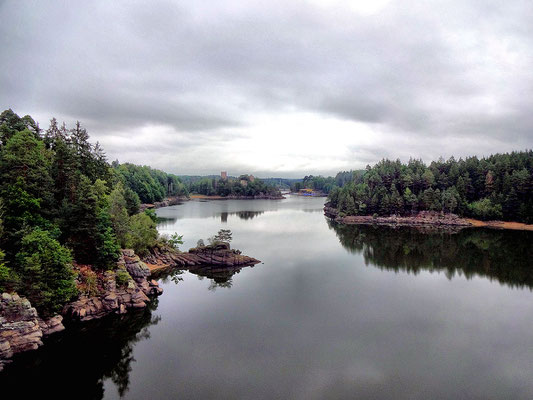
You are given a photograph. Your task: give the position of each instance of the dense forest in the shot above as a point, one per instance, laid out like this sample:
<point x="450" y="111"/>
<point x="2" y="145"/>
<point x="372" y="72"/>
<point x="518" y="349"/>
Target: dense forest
<point x="244" y="185"/>
<point x="495" y="187"/>
<point x="323" y="184"/>
<point x="149" y="184"/>
<point x="61" y="202"/>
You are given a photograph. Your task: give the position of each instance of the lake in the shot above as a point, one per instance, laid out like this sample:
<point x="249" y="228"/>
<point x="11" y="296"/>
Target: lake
<point x="332" y="312"/>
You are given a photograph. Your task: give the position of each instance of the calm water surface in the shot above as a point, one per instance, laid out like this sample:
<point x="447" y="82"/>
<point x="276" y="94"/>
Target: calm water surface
<point x="332" y="312"/>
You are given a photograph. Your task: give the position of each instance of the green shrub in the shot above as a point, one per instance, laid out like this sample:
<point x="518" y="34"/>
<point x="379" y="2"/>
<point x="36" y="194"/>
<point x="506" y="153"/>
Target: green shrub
<point x="485" y="209"/>
<point x="47" y="270"/>
<point x="143" y="233"/>
<point x="122" y="277"/>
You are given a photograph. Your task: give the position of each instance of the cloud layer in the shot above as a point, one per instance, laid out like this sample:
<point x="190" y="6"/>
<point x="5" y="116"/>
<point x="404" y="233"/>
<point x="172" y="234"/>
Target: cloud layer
<point x="281" y="88"/>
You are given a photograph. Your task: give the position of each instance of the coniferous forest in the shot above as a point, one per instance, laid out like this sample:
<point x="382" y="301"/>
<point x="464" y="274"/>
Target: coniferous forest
<point x="490" y="188"/>
<point x="61" y="201"/>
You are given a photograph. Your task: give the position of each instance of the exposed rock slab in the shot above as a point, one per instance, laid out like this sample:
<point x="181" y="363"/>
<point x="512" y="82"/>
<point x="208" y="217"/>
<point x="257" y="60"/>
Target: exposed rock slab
<point x="21" y="329"/>
<point x="115" y="298"/>
<point x="169" y="201"/>
<point x="216" y="255"/>
<point x="423" y="218"/>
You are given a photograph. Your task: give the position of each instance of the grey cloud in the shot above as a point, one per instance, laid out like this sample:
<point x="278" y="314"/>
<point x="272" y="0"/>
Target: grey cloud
<point x="434" y="72"/>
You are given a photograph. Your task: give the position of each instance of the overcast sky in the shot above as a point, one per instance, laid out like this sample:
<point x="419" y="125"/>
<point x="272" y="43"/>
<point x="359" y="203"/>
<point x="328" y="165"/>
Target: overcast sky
<point x="275" y="88"/>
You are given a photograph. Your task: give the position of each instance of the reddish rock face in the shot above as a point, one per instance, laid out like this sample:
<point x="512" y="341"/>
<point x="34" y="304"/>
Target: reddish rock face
<point x="115" y="298"/>
<point x="216" y="255"/>
<point x="21" y="329"/>
<point x="423" y="218"/>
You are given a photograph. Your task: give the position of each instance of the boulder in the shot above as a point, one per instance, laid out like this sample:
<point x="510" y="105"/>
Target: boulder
<point x="21" y="329"/>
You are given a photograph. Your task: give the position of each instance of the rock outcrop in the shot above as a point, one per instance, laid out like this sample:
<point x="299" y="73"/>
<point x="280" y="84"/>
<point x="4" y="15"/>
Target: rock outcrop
<point x="126" y="287"/>
<point x="21" y="329"/>
<point x="214" y="255"/>
<point x="169" y="201"/>
<point x="423" y="218"/>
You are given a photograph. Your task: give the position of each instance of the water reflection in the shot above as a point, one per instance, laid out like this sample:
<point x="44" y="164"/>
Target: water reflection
<point x="83" y="356"/>
<point x="220" y="277"/>
<point x="505" y="256"/>
<point x="245" y="215"/>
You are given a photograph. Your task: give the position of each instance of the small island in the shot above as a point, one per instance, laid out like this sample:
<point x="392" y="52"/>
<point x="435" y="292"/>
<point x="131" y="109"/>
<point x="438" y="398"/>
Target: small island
<point x="244" y="187"/>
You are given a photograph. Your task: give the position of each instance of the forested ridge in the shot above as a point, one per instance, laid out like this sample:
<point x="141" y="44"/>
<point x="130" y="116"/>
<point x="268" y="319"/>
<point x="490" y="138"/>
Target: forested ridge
<point x="325" y="184"/>
<point x="244" y="185"/>
<point x="61" y="203"/>
<point x="496" y="187"/>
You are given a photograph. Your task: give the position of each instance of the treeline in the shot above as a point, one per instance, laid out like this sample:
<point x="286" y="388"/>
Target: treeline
<point x="149" y="184"/>
<point x="61" y="202"/>
<point x="241" y="186"/>
<point x="325" y="184"/>
<point x="495" y="187"/>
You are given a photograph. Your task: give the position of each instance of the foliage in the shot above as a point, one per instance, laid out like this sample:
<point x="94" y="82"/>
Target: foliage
<point x="150" y="185"/>
<point x="143" y="233"/>
<point x="119" y="214"/>
<point x="45" y="268"/>
<point x="122" y="277"/>
<point x="485" y="209"/>
<point x="88" y="282"/>
<point x="151" y="213"/>
<point x="245" y="185"/>
<point x="8" y="279"/>
<point x="175" y="240"/>
<point x="495" y="187"/>
<point x="224" y="235"/>
<point x="62" y="200"/>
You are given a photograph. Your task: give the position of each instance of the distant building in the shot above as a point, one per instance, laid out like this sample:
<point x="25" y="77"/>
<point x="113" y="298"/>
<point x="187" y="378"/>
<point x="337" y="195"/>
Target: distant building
<point x="224" y="175"/>
<point x="244" y="182"/>
<point x="251" y="178"/>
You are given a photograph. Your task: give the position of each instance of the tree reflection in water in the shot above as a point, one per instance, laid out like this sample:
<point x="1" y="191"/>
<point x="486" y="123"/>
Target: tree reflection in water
<point x="245" y="215"/>
<point x="221" y="277"/>
<point x="504" y="255"/>
<point x="76" y="362"/>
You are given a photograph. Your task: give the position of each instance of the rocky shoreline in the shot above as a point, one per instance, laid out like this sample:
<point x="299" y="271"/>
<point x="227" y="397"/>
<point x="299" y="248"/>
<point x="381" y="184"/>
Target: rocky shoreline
<point x="172" y="201"/>
<point x="115" y="292"/>
<point x="233" y="197"/>
<point x="423" y="218"/>
<point x="116" y="297"/>
<point x="220" y="255"/>
<point x="169" y="201"/>
<point x="21" y="328"/>
<point x="428" y="219"/>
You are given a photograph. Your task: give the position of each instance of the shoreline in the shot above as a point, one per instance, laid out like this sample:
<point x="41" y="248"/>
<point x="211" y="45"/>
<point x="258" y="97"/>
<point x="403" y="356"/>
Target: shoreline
<point x="426" y="219"/>
<point x="172" y="201"/>
<point x="217" y="197"/>
<point x="22" y="328"/>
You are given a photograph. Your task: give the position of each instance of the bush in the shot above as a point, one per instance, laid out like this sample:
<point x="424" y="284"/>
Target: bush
<point x="485" y="209"/>
<point x="175" y="240"/>
<point x="122" y="277"/>
<point x="88" y="282"/>
<point x="151" y="213"/>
